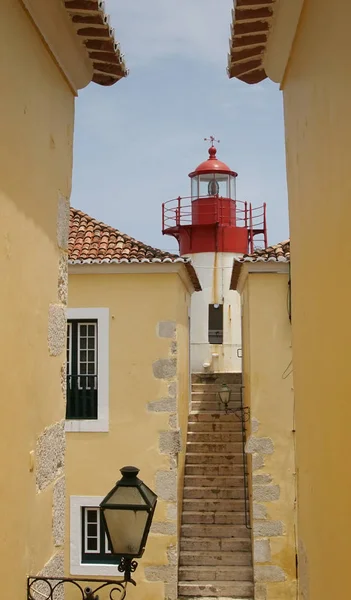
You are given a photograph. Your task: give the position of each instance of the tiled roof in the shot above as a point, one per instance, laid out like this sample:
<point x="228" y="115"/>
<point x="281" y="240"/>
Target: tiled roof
<point x="92" y="242"/>
<point x="249" y="33"/>
<point x="93" y="27"/>
<point x="278" y="253"/>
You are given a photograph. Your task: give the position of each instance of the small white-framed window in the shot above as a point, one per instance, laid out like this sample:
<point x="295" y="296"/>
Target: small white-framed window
<point x="90" y="553"/>
<point x="87" y="407"/>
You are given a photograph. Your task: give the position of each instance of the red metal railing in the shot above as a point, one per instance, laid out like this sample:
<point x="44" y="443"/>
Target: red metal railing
<point x="179" y="212"/>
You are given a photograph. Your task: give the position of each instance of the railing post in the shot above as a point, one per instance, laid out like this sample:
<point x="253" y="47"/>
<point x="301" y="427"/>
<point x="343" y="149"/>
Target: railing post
<point x="163" y="216"/>
<point x="178" y="212"/>
<point x="246" y="214"/>
<point x="265" y="225"/>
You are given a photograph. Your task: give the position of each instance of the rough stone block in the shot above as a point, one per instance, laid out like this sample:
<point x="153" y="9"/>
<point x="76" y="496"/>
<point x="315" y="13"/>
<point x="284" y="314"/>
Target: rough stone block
<point x="164" y="528"/>
<point x="259" y="511"/>
<point x="53" y="568"/>
<point x="57" y="329"/>
<point x="169" y="442"/>
<point x="172" y="512"/>
<point x="173" y="421"/>
<point x="63" y="278"/>
<point x="261" y="551"/>
<point x="260" y="592"/>
<point x="262" y="479"/>
<point x="166" y="485"/>
<point x="265" y="493"/>
<point x="267" y="528"/>
<point x="58" y="509"/>
<point x="172" y="555"/>
<point x="167" y="329"/>
<point x="62" y="226"/>
<point x="171" y="591"/>
<point x="172" y="389"/>
<point x="165" y="368"/>
<point x="254" y="425"/>
<point x="50" y="455"/>
<point x="166" y="573"/>
<point x="260" y="445"/>
<point x="257" y="462"/>
<point x="268" y="573"/>
<point x="163" y="405"/>
<point x="64" y="382"/>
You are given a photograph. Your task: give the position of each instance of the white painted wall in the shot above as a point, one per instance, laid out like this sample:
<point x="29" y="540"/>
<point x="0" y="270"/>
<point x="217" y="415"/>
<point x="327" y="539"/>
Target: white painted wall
<point x="214" y="271"/>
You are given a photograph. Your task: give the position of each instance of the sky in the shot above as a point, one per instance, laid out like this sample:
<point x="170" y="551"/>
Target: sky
<point x="136" y="141"/>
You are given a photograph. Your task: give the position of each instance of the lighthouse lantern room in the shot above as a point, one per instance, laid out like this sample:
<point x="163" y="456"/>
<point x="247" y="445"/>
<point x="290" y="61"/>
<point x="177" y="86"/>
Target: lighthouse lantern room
<point x="213" y="228"/>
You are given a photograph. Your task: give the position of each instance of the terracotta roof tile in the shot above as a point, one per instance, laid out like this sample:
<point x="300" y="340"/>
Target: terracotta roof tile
<point x="278" y="253"/>
<point x="92" y="25"/>
<point x="91" y="241"/>
<point x="252" y="20"/>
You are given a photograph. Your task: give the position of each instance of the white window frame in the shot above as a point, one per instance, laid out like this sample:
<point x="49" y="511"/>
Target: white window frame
<point x="86" y="537"/>
<point x="77" y="567"/>
<point x="102" y="316"/>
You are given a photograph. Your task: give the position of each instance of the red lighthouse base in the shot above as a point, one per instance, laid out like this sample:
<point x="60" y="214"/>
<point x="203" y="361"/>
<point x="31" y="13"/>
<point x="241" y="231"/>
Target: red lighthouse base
<point x="212" y="238"/>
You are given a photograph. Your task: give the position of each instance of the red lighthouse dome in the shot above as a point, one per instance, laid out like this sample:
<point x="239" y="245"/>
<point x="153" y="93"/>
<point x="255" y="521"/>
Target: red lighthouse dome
<point x="212" y="219"/>
<point x="212" y="164"/>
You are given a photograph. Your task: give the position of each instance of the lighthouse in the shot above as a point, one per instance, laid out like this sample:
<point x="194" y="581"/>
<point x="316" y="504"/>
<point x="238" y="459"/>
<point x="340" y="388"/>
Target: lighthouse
<point x="213" y="228"/>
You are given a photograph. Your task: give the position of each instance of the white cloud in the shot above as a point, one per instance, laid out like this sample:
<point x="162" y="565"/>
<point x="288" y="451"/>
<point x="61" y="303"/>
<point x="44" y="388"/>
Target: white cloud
<point x="196" y="29"/>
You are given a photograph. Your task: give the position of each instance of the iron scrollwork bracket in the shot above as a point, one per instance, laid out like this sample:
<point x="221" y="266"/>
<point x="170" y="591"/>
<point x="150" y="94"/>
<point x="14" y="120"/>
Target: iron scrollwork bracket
<point x="52" y="588"/>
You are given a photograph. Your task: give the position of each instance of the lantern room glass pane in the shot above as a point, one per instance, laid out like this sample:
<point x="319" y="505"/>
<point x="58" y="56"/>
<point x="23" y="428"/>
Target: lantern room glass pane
<point x="232" y="188"/>
<point x="223" y="185"/>
<point x="127" y="495"/>
<point x="195" y="187"/>
<point x="126" y="529"/>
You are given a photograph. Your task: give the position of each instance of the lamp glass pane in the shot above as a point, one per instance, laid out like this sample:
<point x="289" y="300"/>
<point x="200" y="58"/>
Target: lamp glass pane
<point x="127" y="495"/>
<point x="126" y="529"/>
<point x="150" y="496"/>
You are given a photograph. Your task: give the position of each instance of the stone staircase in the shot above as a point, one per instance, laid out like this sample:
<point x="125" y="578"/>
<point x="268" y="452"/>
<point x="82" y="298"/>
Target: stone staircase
<point x="215" y="546"/>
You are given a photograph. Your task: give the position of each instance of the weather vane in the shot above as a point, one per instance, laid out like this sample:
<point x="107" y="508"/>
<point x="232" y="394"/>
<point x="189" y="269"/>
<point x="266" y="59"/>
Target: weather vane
<point x="211" y="139"/>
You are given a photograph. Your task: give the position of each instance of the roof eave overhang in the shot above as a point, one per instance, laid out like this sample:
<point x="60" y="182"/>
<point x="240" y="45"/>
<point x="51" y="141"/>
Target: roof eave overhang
<point x="78" y="36"/>
<point x="251" y="22"/>
<point x="262" y="35"/>
<point x="184" y="269"/>
<point x="241" y="270"/>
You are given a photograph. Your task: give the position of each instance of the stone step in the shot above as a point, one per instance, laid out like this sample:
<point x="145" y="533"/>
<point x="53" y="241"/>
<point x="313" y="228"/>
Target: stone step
<point x="216" y="573"/>
<point x="215" y="387"/>
<point x="212" y="544"/>
<point x="207" y="427"/>
<point x="227" y="458"/>
<point x="214" y="437"/>
<point x="214" y="482"/>
<point x="216" y="589"/>
<point x="214" y="447"/>
<point x="217" y="531"/>
<point x="214" y="470"/>
<point x="203" y="558"/>
<point x="218" y="378"/>
<point x="213" y="518"/>
<point x="211" y="396"/>
<point x="214" y="417"/>
<point x="208" y="493"/>
<point x="212" y="405"/>
<point x="228" y="506"/>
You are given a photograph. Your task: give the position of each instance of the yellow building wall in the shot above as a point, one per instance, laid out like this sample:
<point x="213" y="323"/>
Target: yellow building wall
<point x="317" y="95"/>
<point x="140" y="433"/>
<point x="36" y="125"/>
<point x="267" y="377"/>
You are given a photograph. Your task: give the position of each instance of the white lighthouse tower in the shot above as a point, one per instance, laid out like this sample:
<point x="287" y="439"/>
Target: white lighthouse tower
<point x="213" y="228"/>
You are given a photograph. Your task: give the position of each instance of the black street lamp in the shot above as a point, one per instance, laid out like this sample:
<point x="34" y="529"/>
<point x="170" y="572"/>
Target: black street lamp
<point x="225" y="396"/>
<point x="127" y="513"/>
